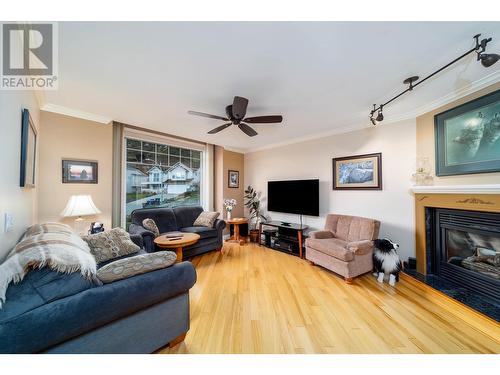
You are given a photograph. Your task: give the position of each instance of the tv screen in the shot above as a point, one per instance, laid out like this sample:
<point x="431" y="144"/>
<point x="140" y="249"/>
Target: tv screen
<point x="293" y="197"/>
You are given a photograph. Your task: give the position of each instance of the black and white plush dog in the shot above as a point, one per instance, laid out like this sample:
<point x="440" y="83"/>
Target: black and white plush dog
<point x="386" y="261"/>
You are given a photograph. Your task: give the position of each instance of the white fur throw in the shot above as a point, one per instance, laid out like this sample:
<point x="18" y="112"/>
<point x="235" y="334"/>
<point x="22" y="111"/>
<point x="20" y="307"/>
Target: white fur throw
<point x="54" y="246"/>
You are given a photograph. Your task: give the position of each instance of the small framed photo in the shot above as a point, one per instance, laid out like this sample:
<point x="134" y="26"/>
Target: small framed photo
<point x="79" y="172"/>
<point x="233" y="180"/>
<point x="359" y="172"/>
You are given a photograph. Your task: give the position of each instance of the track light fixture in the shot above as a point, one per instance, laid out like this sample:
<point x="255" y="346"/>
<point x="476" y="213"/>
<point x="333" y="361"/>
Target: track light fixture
<point x="487" y="60"/>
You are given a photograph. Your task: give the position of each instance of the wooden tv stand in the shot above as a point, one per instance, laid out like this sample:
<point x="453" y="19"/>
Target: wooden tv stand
<point x="296" y="229"/>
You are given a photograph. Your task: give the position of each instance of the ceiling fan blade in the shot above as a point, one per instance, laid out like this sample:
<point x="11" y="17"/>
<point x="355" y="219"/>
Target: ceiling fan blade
<point x="247" y="130"/>
<point x="207" y="115"/>
<point x="239" y="107"/>
<point x="219" y="128"/>
<point x="264" y="119"/>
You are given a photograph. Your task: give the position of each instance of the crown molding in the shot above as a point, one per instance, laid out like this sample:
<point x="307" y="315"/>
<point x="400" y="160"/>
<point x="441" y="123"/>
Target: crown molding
<point x="54" y="108"/>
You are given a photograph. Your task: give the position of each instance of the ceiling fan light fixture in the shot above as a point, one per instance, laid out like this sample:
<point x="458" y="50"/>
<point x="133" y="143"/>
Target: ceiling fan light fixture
<point x="236" y="115"/>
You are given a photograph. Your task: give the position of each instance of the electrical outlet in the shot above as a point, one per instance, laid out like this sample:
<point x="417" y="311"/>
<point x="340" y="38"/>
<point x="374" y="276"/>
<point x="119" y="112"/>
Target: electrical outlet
<point x="8" y="222"/>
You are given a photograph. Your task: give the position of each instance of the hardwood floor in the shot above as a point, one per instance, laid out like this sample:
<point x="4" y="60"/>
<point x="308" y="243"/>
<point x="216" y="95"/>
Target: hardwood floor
<point x="251" y="299"/>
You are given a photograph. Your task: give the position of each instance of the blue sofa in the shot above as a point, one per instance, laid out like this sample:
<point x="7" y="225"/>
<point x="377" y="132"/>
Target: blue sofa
<point x="181" y="219"/>
<point x="51" y="312"/>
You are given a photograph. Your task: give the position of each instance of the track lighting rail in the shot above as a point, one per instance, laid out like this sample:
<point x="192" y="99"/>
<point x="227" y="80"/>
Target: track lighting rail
<point x="486" y="60"/>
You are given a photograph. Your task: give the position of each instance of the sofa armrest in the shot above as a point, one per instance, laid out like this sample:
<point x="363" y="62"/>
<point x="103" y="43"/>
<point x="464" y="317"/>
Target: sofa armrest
<point x="137" y="239"/>
<point x="321" y="234"/>
<point x="147" y="236"/>
<point x="219" y="225"/>
<point x="361" y="247"/>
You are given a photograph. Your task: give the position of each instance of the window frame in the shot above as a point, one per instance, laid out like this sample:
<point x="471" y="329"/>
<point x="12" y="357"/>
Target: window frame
<point x="145" y="136"/>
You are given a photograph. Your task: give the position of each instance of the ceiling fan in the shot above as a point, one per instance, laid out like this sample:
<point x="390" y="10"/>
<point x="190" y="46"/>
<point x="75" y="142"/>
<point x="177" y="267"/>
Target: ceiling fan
<point x="236" y="115"/>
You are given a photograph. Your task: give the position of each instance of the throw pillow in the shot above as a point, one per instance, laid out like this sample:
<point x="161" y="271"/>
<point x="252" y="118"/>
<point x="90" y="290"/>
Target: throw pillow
<point x="206" y="219"/>
<point x="110" y="244"/>
<point x="136" y="265"/>
<point x="150" y="225"/>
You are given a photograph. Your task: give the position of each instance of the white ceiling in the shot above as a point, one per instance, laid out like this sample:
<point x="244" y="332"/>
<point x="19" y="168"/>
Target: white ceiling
<point x="323" y="77"/>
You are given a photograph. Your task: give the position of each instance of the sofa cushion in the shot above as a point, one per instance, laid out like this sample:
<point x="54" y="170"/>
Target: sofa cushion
<point x="186" y="215"/>
<point x="331" y="246"/>
<point x="204" y="232"/>
<point x="135" y="265"/>
<point x="39" y="287"/>
<point x="163" y="217"/>
<point x="110" y="244"/>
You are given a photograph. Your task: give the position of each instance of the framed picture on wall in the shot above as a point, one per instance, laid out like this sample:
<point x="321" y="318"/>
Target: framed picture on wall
<point x="359" y="172"/>
<point x="28" y="150"/>
<point x="79" y="172"/>
<point x="468" y="137"/>
<point x="233" y="180"/>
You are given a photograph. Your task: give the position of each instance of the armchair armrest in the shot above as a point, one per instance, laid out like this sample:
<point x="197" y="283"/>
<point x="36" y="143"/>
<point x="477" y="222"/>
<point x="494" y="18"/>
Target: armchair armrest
<point x="321" y="234"/>
<point x="361" y="247"/>
<point x="147" y="236"/>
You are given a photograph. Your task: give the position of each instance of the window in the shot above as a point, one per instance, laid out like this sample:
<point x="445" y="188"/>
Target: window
<point x="160" y="175"/>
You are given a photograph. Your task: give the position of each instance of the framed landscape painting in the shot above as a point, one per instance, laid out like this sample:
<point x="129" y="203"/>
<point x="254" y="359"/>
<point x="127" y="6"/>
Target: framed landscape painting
<point x="359" y="172"/>
<point x="468" y="137"/>
<point x="79" y="172"/>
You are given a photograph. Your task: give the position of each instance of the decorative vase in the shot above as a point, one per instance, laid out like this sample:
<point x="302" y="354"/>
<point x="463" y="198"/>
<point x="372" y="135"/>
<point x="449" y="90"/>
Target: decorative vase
<point x="228" y="215"/>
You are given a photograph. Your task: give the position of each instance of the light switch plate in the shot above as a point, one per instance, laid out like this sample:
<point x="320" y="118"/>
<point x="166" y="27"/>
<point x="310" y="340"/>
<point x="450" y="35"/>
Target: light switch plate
<point x="8" y="222"/>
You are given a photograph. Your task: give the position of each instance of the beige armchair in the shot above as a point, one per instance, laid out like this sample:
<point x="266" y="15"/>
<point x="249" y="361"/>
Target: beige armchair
<point x="345" y="246"/>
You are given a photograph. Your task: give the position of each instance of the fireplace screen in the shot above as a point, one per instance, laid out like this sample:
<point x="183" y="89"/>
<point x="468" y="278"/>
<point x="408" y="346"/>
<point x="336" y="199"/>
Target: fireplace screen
<point x="476" y="252"/>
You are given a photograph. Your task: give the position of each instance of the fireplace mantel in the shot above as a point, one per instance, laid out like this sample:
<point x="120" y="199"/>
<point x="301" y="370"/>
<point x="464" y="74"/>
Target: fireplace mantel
<point x="482" y="198"/>
<point x="457" y="189"/>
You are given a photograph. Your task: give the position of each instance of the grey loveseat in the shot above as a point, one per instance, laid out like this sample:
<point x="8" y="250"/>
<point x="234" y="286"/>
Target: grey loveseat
<point x="181" y="219"/>
<point x="51" y="312"/>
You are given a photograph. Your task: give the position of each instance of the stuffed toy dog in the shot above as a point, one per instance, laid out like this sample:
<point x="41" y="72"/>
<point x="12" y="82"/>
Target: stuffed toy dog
<point x="386" y="261"/>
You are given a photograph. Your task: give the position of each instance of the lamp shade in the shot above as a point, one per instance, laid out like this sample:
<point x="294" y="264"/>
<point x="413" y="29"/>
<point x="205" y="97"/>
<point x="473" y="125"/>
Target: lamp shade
<point x="80" y="205"/>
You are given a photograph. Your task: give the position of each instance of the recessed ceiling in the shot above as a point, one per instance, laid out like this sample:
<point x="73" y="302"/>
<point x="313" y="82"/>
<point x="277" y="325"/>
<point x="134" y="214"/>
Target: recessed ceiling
<point x="323" y="77"/>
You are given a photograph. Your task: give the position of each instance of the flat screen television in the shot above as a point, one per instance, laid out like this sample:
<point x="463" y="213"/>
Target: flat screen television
<point x="293" y="197"/>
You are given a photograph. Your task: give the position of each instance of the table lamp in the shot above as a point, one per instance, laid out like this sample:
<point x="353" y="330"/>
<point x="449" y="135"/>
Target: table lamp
<point x="78" y="206"/>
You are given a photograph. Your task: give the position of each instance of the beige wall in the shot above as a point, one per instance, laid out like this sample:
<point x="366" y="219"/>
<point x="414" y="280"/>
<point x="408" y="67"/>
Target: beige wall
<point x="234" y="161"/>
<point x="393" y="205"/>
<point x="426" y="145"/>
<point x="72" y="138"/>
<point x="224" y="161"/>
<point x="20" y="202"/>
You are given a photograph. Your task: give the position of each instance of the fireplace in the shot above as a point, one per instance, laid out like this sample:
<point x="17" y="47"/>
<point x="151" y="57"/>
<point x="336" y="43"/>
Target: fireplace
<point x="464" y="247"/>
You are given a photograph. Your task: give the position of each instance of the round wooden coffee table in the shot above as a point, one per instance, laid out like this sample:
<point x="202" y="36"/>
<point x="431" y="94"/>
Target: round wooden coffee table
<point x="177" y="244"/>
<point x="236" y="222"/>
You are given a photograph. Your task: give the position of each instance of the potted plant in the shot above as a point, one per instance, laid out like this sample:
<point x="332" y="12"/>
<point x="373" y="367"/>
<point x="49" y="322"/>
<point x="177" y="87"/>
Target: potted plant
<point x="252" y="202"/>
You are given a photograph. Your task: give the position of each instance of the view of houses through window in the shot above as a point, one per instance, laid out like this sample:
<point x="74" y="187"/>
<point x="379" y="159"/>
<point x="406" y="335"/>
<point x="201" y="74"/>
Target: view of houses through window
<point x="160" y="175"/>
